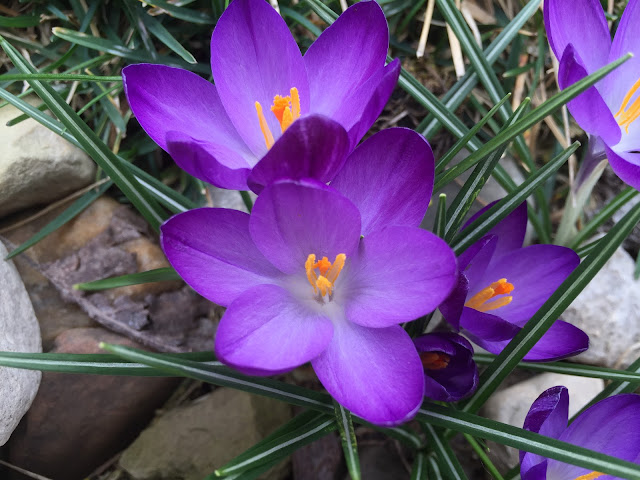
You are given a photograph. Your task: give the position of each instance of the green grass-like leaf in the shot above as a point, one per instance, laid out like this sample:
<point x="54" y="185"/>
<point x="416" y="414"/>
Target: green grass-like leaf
<point x="449" y="464"/>
<point x="348" y="439"/>
<point x="150" y="276"/>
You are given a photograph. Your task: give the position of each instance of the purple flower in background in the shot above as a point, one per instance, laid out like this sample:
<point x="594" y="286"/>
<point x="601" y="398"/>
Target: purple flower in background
<point x="611" y="426"/>
<point x="501" y="285"/>
<point x="609" y="111"/>
<point x="266" y="94"/>
<point x="326" y="274"/>
<point x="450" y="374"/>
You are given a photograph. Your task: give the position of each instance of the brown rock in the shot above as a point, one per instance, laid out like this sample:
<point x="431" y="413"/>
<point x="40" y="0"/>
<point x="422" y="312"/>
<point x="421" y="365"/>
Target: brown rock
<point x="190" y="442"/>
<point x="77" y="422"/>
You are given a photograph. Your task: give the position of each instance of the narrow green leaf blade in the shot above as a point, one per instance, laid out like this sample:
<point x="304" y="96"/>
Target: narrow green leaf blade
<point x="300" y="431"/>
<point x="419" y="469"/>
<point x="348" y="439"/>
<point x="150" y="276"/>
<point x="162" y="34"/>
<point x="449" y="464"/>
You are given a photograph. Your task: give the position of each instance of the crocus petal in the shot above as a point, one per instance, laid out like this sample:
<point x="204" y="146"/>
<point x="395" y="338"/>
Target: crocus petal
<point x="400" y="274"/>
<point x="254" y="58"/>
<point x="217" y="164"/>
<point x="291" y="220"/>
<point x="611" y="426"/>
<point x="312" y="147"/>
<point x="374" y="372"/>
<point x="212" y="250"/>
<point x="589" y="108"/>
<point x="167" y="99"/>
<point x="452" y="307"/>
<point x="626" y="165"/>
<point x="266" y="331"/>
<point x="363" y="107"/>
<point x="485" y="328"/>
<point x="389" y="178"/>
<point x="510" y="231"/>
<point x="535" y="272"/>
<point x="547" y="416"/>
<point x="562" y="340"/>
<point x="581" y="23"/>
<point x="625" y="41"/>
<point x="347" y="53"/>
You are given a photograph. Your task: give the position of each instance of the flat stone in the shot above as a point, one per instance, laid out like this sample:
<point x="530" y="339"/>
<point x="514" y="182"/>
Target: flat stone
<point x="20" y="333"/>
<point x="37" y="166"/>
<point x="608" y="310"/>
<point x="84" y="418"/>
<point x="512" y="404"/>
<point x="190" y="442"/>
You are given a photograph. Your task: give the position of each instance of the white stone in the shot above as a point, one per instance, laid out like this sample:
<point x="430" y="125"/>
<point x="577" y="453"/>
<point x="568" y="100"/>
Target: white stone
<point x="608" y="310"/>
<point x="36" y="165"/>
<point x="512" y="404"/>
<point x="19" y="332"/>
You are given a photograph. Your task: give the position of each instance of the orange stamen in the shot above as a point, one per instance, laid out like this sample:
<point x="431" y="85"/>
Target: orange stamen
<point x="628" y="116"/>
<point x="434" y="360"/>
<point x="589" y="476"/>
<point x="329" y="272"/>
<point x="264" y="126"/>
<point x="480" y="301"/>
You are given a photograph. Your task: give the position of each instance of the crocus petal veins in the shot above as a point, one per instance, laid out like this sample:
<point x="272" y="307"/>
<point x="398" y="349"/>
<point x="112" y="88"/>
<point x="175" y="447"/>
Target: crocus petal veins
<point x="590" y="476"/>
<point x="626" y="116"/>
<point x="286" y="109"/>
<point x="328" y="273"/>
<point x="434" y="360"/>
<point x="480" y="301"/>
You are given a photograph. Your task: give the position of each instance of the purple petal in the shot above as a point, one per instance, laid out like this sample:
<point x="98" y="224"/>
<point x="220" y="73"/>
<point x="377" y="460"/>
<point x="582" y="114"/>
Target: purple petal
<point x="611" y="426"/>
<point x="581" y="23"/>
<point x="374" y="372"/>
<point x="625" y="41"/>
<point x="459" y="378"/>
<point x="510" y="231"/>
<point x="452" y="307"/>
<point x="400" y="274"/>
<point x="291" y="220"/>
<point x="363" y="107"/>
<point x="347" y="53"/>
<point x="548" y="416"/>
<point x="166" y="99"/>
<point x="389" y="178"/>
<point x="487" y="329"/>
<point x="535" y="272"/>
<point x="562" y="340"/>
<point x="266" y="331"/>
<point x="216" y="164"/>
<point x="589" y="108"/>
<point x="254" y="58"/>
<point x="627" y="166"/>
<point x="212" y="250"/>
<point x="312" y="147"/>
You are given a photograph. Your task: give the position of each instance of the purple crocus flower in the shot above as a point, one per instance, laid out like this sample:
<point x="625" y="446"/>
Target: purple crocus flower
<point x="450" y="374"/>
<point x="325" y="274"/>
<point x="501" y="285"/>
<point x="606" y="427"/>
<point x="609" y="111"/>
<point x="267" y="94"/>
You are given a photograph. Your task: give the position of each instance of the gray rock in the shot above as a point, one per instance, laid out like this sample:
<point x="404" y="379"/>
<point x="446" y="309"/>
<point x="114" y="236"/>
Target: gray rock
<point x="512" y="404"/>
<point x="608" y="310"/>
<point x="20" y="333"/>
<point x="37" y="166"/>
<point x="221" y="198"/>
<point x="190" y="442"/>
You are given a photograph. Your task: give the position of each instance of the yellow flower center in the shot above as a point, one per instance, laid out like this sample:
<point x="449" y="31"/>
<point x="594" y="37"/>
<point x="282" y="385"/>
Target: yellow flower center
<point x="482" y="302"/>
<point x="323" y="274"/>
<point x="434" y="360"/>
<point x="590" y="476"/>
<point x="626" y="116"/>
<point x="286" y="109"/>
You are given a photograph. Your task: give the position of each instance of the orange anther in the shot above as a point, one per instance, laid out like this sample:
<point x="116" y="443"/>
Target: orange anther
<point x="480" y="301"/>
<point x="329" y="272"/>
<point x="434" y="360"/>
